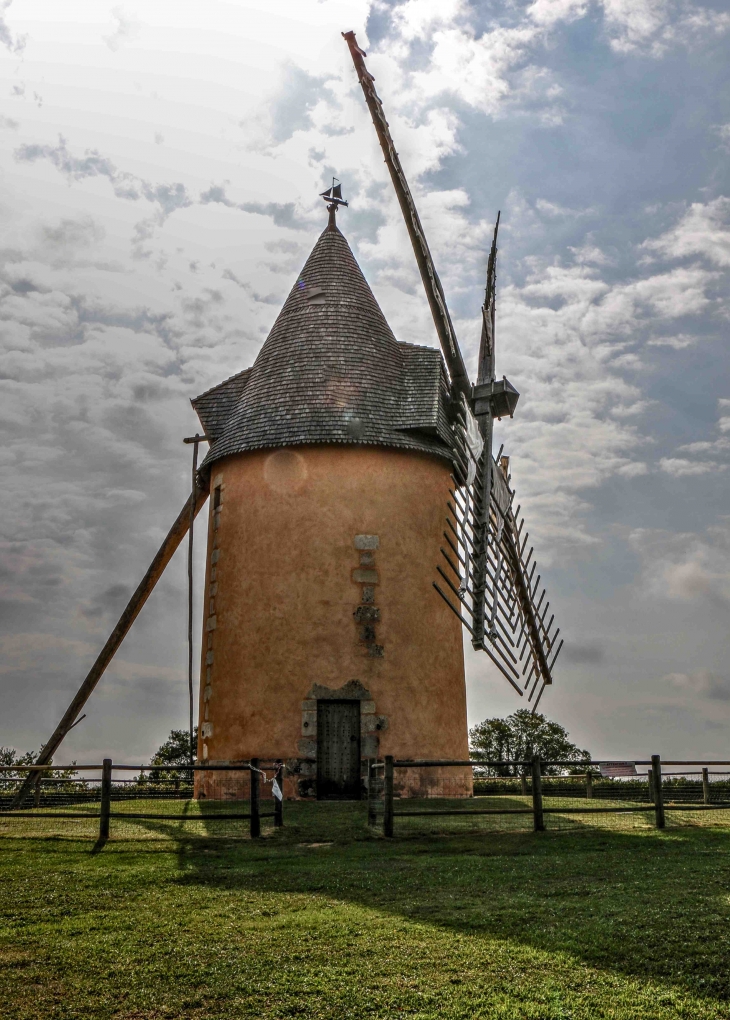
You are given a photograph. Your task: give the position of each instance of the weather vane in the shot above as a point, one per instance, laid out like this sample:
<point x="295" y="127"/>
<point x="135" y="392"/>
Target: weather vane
<point x="333" y="198"/>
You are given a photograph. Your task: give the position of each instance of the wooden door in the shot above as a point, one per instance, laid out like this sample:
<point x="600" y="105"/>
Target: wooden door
<point x="338" y="750"/>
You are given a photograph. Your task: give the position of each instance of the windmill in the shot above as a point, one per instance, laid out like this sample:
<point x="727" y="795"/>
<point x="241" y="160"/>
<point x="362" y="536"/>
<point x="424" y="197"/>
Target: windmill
<point x="488" y="575"/>
<point x="331" y="461"/>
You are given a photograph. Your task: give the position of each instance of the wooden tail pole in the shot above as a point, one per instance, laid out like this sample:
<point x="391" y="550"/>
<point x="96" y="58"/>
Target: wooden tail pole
<point x="164" y="555"/>
<point x="191" y="531"/>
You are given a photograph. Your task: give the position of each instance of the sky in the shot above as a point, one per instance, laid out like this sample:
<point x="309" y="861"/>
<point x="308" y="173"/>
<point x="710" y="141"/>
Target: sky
<point x="160" y="164"/>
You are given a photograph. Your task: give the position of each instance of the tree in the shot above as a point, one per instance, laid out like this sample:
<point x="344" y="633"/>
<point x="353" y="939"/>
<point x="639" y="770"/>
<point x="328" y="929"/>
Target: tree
<point x="176" y="749"/>
<point x="9" y="756"/>
<point x="520" y="737"/>
<point x="175" y="752"/>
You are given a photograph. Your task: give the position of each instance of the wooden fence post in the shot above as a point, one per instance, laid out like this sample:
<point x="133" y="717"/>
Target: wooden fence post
<point x="523" y="784"/>
<point x="388" y="797"/>
<point x="538" y="817"/>
<point x="650" y="780"/>
<point x="106" y="798"/>
<point x="279" y="804"/>
<point x="372" y="803"/>
<point x="656" y="777"/>
<point x="254" y="799"/>
<point x="589" y="785"/>
<point x="705" y="786"/>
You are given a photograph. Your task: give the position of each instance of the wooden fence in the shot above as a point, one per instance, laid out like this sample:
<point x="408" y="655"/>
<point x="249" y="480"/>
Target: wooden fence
<point x="99" y="794"/>
<point x="534" y="769"/>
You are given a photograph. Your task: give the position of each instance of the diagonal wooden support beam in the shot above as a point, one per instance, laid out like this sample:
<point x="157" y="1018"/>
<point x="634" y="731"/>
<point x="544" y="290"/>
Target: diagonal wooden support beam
<point x="174" y="537"/>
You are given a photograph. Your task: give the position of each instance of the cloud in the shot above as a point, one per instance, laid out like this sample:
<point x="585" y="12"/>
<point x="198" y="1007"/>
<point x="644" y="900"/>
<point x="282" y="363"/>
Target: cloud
<point x="168" y="197"/>
<point x="703" y="230"/>
<point x="73" y="233"/>
<point x="554" y="211"/>
<point x="21" y="652"/>
<point x="653" y="26"/>
<point x="15" y="44"/>
<point x="292" y="108"/>
<point x="126" y="29"/>
<point x="678" y="343"/>
<point x="283" y="214"/>
<point x="680" y="467"/>
<point x="483" y="69"/>
<point x="92" y="164"/>
<point x="702" y="683"/>
<point x="701" y="450"/>
<point x="583" y="654"/>
<point x="267" y="299"/>
<point x="686" y="567"/>
<point x="8" y="124"/>
<point x="723" y="133"/>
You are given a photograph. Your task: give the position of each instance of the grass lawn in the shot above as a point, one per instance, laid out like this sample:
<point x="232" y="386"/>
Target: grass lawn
<point x="586" y="924"/>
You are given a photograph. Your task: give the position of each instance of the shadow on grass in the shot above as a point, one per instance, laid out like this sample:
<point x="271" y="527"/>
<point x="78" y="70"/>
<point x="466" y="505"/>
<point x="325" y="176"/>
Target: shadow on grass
<point x="649" y="905"/>
<point x="646" y="904"/>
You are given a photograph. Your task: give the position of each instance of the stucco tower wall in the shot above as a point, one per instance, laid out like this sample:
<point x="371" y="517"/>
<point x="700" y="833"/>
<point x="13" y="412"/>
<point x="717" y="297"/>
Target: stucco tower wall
<point x="297" y="536"/>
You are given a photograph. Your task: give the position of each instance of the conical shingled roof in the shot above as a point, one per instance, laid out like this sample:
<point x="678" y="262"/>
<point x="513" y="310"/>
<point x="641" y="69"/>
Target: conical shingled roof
<point x="330" y="371"/>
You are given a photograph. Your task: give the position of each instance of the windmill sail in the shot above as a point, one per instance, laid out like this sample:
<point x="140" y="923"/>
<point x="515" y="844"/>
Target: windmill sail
<point x="431" y="282"/>
<point x="486" y="577"/>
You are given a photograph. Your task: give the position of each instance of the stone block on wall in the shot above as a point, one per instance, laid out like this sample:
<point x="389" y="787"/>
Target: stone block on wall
<point x="367" y="541"/>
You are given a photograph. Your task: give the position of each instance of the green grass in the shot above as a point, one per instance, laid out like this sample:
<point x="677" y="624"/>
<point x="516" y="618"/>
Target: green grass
<point x="581" y="925"/>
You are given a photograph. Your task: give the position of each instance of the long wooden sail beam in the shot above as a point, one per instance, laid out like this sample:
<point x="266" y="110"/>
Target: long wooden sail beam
<point x="486" y="372"/>
<point x="431" y="282"/>
<point x="147" y="584"/>
<point x="486" y="426"/>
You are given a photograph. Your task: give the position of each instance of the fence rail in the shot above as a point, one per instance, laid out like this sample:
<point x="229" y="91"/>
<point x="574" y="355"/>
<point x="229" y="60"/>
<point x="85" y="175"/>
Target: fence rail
<point x="161" y="793"/>
<point x="402" y="797"/>
<point x="415" y="800"/>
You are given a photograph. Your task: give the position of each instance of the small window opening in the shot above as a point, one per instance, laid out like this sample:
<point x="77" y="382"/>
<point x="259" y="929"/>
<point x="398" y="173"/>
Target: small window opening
<point x="216" y="497"/>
